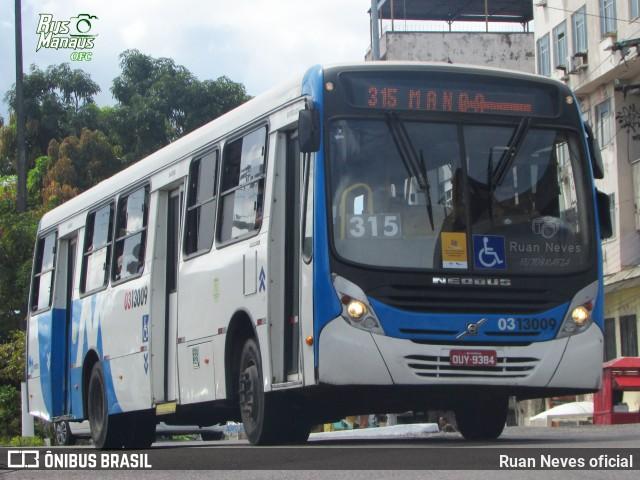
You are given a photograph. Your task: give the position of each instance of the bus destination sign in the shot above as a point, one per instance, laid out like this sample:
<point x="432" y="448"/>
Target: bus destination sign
<point x="445" y="100"/>
<point x="448" y="92"/>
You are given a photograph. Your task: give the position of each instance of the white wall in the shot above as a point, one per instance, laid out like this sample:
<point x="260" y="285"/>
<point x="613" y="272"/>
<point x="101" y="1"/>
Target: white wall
<point x="513" y="51"/>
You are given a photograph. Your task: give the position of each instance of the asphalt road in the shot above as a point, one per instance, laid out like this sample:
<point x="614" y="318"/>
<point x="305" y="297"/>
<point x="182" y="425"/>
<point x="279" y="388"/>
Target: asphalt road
<point x="382" y="458"/>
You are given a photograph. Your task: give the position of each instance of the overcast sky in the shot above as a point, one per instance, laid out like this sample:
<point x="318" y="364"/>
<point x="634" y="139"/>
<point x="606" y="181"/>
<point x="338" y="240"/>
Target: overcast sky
<point x="256" y="42"/>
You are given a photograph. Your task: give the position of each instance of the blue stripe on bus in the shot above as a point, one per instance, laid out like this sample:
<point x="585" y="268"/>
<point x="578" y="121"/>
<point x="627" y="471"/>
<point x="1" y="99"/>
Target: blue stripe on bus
<point x="80" y="343"/>
<point x="598" y="311"/>
<point x="51" y="344"/>
<point x="326" y="305"/>
<point x="403" y="324"/>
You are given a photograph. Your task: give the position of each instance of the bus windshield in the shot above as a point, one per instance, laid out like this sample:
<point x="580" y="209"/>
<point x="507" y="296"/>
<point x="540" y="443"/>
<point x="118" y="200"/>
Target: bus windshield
<point x="458" y="197"/>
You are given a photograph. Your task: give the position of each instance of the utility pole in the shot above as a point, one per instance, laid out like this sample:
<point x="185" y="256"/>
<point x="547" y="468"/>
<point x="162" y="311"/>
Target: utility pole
<point x="375" y="35"/>
<point x="21" y="160"/>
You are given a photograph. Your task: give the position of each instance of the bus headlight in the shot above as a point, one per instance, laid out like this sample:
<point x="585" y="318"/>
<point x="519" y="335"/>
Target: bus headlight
<point x="578" y="317"/>
<point x="356" y="309"/>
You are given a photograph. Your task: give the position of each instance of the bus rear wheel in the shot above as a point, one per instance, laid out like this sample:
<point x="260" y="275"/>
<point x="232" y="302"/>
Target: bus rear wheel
<point x="265" y="417"/>
<point x="483" y="418"/>
<point x="106" y="430"/>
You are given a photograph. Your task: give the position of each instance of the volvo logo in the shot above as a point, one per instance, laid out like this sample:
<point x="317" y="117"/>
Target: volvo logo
<point x="478" y="281"/>
<point x="472" y="328"/>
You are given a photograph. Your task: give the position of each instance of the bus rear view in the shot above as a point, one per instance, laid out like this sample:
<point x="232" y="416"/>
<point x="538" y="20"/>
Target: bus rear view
<point x="462" y="241"/>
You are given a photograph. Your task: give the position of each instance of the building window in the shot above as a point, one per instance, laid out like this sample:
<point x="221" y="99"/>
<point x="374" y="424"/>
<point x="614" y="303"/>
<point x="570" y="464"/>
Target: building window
<point x="628" y="336"/>
<point x="634" y="8"/>
<point x="560" y="45"/>
<point x="607" y="17"/>
<point x="612" y="212"/>
<point x="579" y="20"/>
<point x="609" y="339"/>
<point x="544" y="62"/>
<point x="131" y="234"/>
<point x="43" y="272"/>
<point x="603" y="123"/>
<point x="242" y="186"/>
<point x="201" y="204"/>
<point x="97" y="249"/>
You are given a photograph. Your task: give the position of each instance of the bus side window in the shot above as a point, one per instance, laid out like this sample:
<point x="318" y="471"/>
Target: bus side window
<point x="43" y="272"/>
<point x="201" y="204"/>
<point x="97" y="249"/>
<point x="131" y="228"/>
<point x="242" y="186"/>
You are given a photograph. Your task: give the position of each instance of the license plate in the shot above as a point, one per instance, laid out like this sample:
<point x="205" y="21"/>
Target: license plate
<point x="473" y="358"/>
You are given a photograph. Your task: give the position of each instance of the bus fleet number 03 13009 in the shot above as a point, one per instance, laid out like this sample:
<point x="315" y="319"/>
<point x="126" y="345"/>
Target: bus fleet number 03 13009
<point x="528" y="324"/>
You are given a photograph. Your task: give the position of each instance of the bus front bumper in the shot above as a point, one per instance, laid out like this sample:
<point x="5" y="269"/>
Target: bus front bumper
<point x="350" y="356"/>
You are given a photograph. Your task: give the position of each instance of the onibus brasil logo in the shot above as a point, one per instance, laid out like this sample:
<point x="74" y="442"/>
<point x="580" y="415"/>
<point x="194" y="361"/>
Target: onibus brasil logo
<point x="73" y="34"/>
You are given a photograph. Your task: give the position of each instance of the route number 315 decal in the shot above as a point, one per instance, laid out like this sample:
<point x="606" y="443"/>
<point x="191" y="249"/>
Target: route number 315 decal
<point x="381" y="225"/>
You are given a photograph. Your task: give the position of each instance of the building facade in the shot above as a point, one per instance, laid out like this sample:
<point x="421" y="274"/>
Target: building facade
<point x="593" y="46"/>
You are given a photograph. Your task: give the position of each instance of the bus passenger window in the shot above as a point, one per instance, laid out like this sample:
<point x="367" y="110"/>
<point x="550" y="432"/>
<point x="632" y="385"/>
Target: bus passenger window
<point x="242" y="186"/>
<point x="97" y="249"/>
<point x="45" y="262"/>
<point x="201" y="203"/>
<point x="131" y="228"/>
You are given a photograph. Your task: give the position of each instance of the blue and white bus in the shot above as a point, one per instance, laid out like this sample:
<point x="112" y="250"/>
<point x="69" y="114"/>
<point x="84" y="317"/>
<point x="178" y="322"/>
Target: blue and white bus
<point x="375" y="237"/>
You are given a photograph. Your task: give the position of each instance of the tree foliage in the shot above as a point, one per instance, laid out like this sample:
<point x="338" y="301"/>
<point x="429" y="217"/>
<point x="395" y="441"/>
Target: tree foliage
<point x="12" y="358"/>
<point x="58" y="102"/>
<point x="17" y="238"/>
<point x="159" y="101"/>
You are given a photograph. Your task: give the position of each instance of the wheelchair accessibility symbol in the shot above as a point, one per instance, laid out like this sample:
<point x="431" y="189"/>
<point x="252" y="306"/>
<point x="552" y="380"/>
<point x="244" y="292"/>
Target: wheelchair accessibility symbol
<point x="488" y="252"/>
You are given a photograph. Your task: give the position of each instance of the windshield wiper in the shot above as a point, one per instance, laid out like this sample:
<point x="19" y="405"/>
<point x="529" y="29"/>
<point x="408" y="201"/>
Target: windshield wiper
<point x="415" y="166"/>
<point x="509" y="155"/>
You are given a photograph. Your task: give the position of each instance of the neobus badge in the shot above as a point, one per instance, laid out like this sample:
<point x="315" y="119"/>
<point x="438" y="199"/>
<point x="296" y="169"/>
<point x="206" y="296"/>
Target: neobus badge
<point x="482" y="281"/>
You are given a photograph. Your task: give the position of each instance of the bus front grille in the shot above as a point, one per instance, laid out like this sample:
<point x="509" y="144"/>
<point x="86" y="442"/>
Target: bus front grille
<point x="440" y="367"/>
<point x="465" y="300"/>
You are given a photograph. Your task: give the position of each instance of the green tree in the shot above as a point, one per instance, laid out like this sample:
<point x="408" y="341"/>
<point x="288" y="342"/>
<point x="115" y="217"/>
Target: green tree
<point x="57" y="103"/>
<point x="17" y="237"/>
<point x="159" y="101"/>
<point x="12" y="361"/>
<point x="9" y="411"/>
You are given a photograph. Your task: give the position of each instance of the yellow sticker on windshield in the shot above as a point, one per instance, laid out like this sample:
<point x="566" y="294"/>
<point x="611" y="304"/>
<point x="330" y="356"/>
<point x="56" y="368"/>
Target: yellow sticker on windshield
<point x="454" y="249"/>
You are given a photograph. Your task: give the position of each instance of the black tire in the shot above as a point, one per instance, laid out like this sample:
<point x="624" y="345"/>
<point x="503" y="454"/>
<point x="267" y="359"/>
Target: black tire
<point x="141" y="430"/>
<point x="482" y="418"/>
<point x="106" y="430"/>
<point x="265" y="418"/>
<point x="62" y="434"/>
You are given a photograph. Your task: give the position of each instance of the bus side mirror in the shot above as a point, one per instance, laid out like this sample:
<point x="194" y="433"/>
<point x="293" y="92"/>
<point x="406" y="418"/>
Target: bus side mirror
<point x="604" y="214"/>
<point x="309" y="130"/>
<point x="594" y="152"/>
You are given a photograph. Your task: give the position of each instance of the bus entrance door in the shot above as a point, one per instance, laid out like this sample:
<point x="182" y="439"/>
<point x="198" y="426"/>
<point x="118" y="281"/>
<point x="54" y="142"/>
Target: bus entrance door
<point x="68" y="362"/>
<point x="292" y="259"/>
<point x="174" y="208"/>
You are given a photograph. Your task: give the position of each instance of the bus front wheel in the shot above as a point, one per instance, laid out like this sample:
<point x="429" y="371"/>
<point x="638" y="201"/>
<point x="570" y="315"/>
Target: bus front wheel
<point x="482" y="418"/>
<point x="106" y="430"/>
<point x="265" y="417"/>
